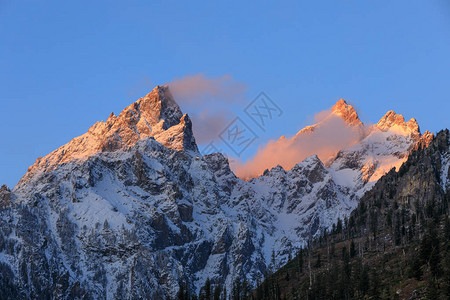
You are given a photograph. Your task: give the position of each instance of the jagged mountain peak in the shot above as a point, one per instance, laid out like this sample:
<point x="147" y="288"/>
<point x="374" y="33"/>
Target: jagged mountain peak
<point x="155" y="115"/>
<point x="312" y="160"/>
<point x="155" y="106"/>
<point x="172" y="217"/>
<point x="277" y="168"/>
<point x="393" y="121"/>
<point x="347" y="112"/>
<point x="341" y="109"/>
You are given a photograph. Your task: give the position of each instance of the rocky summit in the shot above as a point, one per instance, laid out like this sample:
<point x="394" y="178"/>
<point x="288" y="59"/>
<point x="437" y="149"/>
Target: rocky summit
<point x="132" y="210"/>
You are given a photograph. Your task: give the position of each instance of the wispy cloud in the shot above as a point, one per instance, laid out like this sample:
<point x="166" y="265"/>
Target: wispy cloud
<point x="331" y="135"/>
<point x="199" y="89"/>
<point x="208" y="125"/>
<point x="208" y="102"/>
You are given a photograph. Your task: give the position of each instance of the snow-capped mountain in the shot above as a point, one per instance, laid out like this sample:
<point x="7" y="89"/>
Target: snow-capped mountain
<point x="383" y="146"/>
<point x="155" y="116"/>
<point x="131" y="209"/>
<point x="369" y="151"/>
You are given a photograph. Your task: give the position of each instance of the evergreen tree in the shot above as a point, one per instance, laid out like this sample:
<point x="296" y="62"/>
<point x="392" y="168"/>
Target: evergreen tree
<point x="429" y="248"/>
<point x="357" y="270"/>
<point x="410" y="233"/>
<point x="300" y="260"/>
<point x="397" y="230"/>
<point x="318" y="262"/>
<point x="435" y="260"/>
<point x="332" y="250"/>
<point x="180" y="294"/>
<point x="374" y="223"/>
<point x="272" y="266"/>
<point x="412" y="226"/>
<point x="208" y="289"/>
<point x="352" y="249"/>
<point x="339" y="226"/>
<point x="375" y="285"/>
<point x="345" y="284"/>
<point x="345" y="257"/>
<point x="426" y="247"/>
<point x="205" y="291"/>
<point x="277" y="292"/>
<point x="183" y="292"/>
<point x="447" y="229"/>
<point x="237" y="289"/>
<point x="389" y="218"/>
<point x="106" y="225"/>
<point x="224" y="296"/>
<point x="432" y="289"/>
<point x="351" y="222"/>
<point x="245" y="290"/>
<point x="446" y="273"/>
<point x="364" y="283"/>
<point x="416" y="267"/>
<point x="217" y="292"/>
<point x="266" y="289"/>
<point x="259" y="290"/>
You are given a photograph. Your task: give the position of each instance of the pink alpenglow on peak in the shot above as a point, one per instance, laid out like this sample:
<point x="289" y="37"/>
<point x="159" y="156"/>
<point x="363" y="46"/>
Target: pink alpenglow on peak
<point x="335" y="129"/>
<point x="156" y="116"/>
<point x="338" y="132"/>
<point x="347" y="113"/>
<point x="424" y="141"/>
<point x="396" y="122"/>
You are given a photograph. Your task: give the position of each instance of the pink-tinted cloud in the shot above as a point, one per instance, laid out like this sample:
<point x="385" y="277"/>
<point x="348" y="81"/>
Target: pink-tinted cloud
<point x="329" y="136"/>
<point x="198" y="89"/>
<point x="208" y="102"/>
<point x="208" y="125"/>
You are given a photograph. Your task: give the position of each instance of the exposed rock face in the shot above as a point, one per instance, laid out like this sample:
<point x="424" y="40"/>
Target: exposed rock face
<point x="391" y="121"/>
<point x="347" y="113"/>
<point x="424" y="141"/>
<point x="376" y="154"/>
<point x="136" y="223"/>
<point x="341" y="109"/>
<point x="383" y="146"/>
<point x="5" y="195"/>
<point x="420" y="186"/>
<point x="131" y="209"/>
<point x="156" y="115"/>
<point x="373" y="151"/>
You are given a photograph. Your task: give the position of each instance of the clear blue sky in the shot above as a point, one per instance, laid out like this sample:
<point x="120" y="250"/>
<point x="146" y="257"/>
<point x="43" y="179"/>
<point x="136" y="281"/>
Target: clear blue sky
<point x="66" y="64"/>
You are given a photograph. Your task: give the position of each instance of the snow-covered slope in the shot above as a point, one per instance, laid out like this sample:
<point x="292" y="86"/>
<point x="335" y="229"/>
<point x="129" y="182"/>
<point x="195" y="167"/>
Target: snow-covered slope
<point x="368" y="152"/>
<point x="132" y="210"/>
<point x="156" y="115"/>
<point x="384" y="146"/>
<point x="342" y="110"/>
